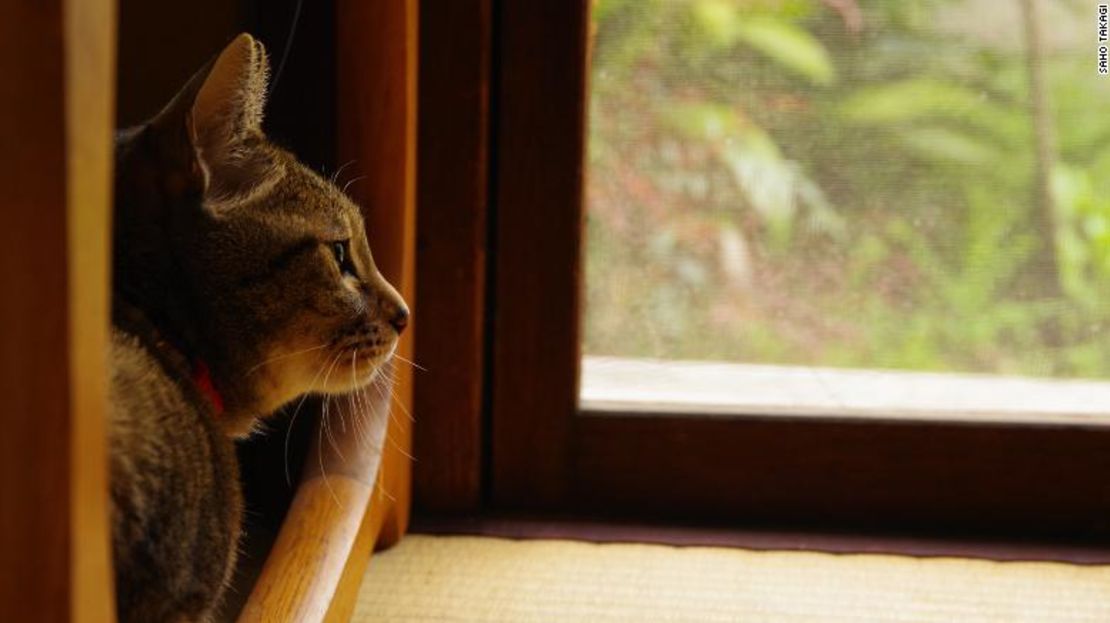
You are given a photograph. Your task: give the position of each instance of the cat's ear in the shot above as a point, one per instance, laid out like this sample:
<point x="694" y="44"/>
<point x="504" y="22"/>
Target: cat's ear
<point x="207" y="128"/>
<point x="228" y="106"/>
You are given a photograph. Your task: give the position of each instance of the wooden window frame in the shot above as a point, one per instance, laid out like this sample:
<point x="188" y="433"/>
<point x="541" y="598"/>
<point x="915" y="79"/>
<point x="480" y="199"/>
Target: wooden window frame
<point x="451" y="239"/>
<point x="833" y="471"/>
<point x="541" y="454"/>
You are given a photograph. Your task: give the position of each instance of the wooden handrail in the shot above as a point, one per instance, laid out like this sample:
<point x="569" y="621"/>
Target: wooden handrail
<point x="333" y="521"/>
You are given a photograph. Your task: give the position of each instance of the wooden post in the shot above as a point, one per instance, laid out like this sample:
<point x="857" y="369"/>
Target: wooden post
<point x="376" y="74"/>
<point x="452" y="187"/>
<point x="56" y="118"/>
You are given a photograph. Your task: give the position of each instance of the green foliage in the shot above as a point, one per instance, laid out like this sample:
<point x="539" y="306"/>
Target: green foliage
<point x="724" y="24"/>
<point x="766" y="185"/>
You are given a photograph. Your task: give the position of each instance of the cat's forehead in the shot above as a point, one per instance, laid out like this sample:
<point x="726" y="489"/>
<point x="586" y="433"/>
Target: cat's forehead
<point x="319" y="203"/>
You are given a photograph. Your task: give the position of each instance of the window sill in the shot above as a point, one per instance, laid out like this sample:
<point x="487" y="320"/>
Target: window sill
<point x="612" y="385"/>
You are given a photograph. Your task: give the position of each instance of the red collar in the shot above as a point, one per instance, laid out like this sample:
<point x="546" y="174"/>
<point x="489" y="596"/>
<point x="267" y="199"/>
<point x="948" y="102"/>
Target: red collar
<point x="203" y="379"/>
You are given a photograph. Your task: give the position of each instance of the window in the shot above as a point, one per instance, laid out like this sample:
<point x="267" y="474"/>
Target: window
<point x="940" y="461"/>
<point x="818" y="195"/>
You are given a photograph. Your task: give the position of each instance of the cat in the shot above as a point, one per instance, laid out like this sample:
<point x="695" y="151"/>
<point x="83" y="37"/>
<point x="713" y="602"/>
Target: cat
<point x="239" y="276"/>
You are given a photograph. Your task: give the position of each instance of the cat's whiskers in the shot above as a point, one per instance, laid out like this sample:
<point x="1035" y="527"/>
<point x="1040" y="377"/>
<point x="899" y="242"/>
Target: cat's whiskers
<point x="356" y="418"/>
<point x="354" y="395"/>
<point x="353" y="413"/>
<point x="321" y="429"/>
<point x="293" y="419"/>
<point x="405" y="453"/>
<point x="393" y="395"/>
<point x="387" y="396"/>
<point x="335" y="176"/>
<point x="366" y="411"/>
<point x="383" y="492"/>
<point x="358" y="415"/>
<point x="323" y="470"/>
<point x="352" y="181"/>
<point x="382" y="479"/>
<point x="365" y="427"/>
<point x="397" y="401"/>
<point x="357" y="397"/>
<point x="285" y="356"/>
<point x="401" y="405"/>
<point x="382" y="395"/>
<point x="392" y="420"/>
<point x="343" y="420"/>
<point x="412" y="363"/>
<point x="324" y="423"/>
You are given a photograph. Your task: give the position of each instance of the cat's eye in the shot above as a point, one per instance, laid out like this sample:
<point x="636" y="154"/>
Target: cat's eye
<point x="342" y="252"/>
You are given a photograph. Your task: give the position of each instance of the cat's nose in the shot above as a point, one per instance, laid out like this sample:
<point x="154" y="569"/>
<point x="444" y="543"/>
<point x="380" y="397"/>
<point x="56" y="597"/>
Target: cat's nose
<point x="400" y="318"/>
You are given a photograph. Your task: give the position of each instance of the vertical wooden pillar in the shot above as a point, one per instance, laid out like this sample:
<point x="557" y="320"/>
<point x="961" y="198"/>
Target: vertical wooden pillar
<point x="376" y="78"/>
<point x="90" y="116"/>
<point x="540" y="100"/>
<point x="452" y="188"/>
<point x="56" y="103"/>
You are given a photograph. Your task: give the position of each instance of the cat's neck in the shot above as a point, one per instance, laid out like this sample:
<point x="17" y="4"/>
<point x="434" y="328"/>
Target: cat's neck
<point x="234" y="408"/>
<point x="178" y="364"/>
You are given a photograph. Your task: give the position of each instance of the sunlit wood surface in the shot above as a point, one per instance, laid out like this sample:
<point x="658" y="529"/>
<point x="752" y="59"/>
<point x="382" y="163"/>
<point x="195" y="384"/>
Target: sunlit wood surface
<point x="56" y="103"/>
<point x="324" y="527"/>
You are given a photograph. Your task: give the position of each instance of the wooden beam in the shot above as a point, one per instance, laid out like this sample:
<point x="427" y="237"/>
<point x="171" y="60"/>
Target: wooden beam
<point x="452" y="181"/>
<point x="90" y="119"/>
<point x="376" y="63"/>
<point x="56" y="113"/>
<point x="541" y="116"/>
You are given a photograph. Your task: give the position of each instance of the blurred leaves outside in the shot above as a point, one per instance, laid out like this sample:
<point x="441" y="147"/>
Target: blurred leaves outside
<point x="850" y="183"/>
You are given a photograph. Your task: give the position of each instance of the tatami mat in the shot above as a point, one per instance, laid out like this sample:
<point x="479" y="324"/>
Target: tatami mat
<point x="428" y="578"/>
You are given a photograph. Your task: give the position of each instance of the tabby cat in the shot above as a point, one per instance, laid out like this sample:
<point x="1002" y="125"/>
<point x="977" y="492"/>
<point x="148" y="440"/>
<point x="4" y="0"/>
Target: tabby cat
<point x="239" y="275"/>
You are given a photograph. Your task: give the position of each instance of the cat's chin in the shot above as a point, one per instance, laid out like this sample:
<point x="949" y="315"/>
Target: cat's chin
<point x="363" y="371"/>
<point x="341" y="388"/>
